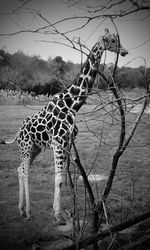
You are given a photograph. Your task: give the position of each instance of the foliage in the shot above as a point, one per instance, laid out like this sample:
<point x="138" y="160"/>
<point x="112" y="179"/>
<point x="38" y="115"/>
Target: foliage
<point x="125" y="77"/>
<point x="33" y="74"/>
<point x="37" y="76"/>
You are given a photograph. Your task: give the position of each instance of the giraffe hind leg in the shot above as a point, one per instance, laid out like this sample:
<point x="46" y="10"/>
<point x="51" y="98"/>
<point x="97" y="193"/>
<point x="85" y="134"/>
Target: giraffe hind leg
<point x="21" y="197"/>
<point x="23" y="189"/>
<point x="23" y="174"/>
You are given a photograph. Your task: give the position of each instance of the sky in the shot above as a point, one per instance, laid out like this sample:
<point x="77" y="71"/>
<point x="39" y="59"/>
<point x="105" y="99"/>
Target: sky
<point x="134" y="30"/>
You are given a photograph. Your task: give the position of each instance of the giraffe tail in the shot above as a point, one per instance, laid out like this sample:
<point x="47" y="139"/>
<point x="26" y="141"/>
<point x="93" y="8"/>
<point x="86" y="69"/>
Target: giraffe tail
<point x="7" y="142"/>
<point x="10" y="141"/>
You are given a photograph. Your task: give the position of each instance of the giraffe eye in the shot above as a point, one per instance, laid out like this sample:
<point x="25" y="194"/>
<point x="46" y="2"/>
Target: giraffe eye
<point x="113" y="40"/>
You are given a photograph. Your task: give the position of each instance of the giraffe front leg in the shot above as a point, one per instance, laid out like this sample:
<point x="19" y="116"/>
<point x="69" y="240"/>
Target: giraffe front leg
<point x="57" y="199"/>
<point x="26" y="187"/>
<point x="59" y="179"/>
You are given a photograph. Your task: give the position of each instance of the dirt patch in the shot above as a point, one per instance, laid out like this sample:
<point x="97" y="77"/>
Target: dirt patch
<point x="137" y="109"/>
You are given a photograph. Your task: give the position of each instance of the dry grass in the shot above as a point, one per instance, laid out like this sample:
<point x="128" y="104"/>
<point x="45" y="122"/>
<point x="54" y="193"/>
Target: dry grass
<point x="129" y="196"/>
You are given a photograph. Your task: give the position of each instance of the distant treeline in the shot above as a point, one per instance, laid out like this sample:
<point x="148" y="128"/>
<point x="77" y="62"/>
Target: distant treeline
<point x="37" y="76"/>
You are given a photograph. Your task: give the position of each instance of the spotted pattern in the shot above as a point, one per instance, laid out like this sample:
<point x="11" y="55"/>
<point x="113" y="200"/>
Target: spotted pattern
<point x="47" y="128"/>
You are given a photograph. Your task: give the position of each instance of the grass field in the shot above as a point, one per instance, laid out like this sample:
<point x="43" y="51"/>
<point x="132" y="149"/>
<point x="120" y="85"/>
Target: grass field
<point x="96" y="144"/>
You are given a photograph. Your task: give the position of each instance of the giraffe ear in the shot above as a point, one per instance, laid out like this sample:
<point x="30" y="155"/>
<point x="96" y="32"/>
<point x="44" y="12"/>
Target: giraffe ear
<point x="106" y="31"/>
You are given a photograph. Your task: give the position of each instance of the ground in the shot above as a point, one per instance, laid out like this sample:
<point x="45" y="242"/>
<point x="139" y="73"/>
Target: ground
<point x="129" y="195"/>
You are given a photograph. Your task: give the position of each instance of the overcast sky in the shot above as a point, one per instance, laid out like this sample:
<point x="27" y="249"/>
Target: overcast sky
<point x="134" y="32"/>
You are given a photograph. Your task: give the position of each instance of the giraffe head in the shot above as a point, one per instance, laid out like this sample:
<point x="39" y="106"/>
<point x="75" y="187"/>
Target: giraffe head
<point x="110" y="42"/>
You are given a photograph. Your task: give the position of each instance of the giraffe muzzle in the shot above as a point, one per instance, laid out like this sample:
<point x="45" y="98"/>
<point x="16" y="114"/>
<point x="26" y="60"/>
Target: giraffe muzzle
<point x="123" y="52"/>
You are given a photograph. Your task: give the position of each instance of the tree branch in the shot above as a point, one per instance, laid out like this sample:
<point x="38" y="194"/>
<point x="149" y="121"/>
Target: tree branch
<point x="99" y="236"/>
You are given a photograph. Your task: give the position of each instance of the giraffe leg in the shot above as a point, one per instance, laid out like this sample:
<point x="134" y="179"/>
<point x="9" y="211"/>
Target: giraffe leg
<point x="23" y="187"/>
<point x="23" y="175"/>
<point x="33" y="153"/>
<point x="21" y="197"/>
<point x="27" y="198"/>
<point x="57" y="199"/>
<point x="59" y="179"/>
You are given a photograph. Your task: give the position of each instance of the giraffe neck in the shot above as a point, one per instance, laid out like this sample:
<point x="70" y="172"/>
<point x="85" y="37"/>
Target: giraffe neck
<point x="76" y="94"/>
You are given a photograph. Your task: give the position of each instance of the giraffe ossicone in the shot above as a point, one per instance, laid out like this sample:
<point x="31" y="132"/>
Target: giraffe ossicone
<point x="53" y="125"/>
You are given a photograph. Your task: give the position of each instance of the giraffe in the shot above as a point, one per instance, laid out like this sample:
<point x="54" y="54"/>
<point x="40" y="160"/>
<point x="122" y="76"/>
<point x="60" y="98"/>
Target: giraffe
<point x="52" y="126"/>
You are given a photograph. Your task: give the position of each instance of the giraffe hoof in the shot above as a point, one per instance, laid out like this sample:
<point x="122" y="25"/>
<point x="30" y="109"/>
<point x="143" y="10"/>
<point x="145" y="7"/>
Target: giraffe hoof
<point x="35" y="247"/>
<point x="29" y="217"/>
<point x="23" y="214"/>
<point x="61" y="221"/>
